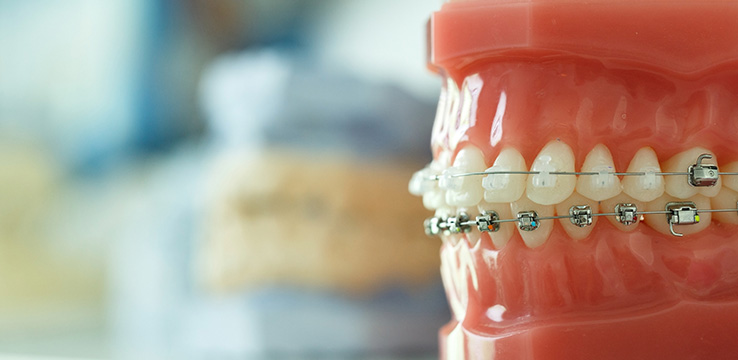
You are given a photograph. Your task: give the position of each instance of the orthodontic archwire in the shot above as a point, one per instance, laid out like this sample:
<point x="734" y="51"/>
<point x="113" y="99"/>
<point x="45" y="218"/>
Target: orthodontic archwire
<point x="698" y="174"/>
<point x="677" y="213"/>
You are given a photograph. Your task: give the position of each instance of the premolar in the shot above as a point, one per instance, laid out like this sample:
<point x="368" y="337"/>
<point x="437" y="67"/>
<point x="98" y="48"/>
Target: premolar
<point x="574" y="231"/>
<point x="608" y="206"/>
<point x="435" y="197"/>
<point x="646" y="187"/>
<point x="547" y="189"/>
<point x="469" y="191"/>
<point x="500" y="237"/>
<point x="538" y="236"/>
<point x="505" y="188"/>
<point x="603" y="185"/>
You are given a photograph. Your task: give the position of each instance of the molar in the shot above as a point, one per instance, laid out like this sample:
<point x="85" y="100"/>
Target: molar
<point x="602" y="186"/>
<point x="677" y="185"/>
<point x="725" y="199"/>
<point x="500" y="237"/>
<point x="648" y="187"/>
<point x="538" y="236"/>
<point x="546" y="189"/>
<point x="730" y="181"/>
<point x="574" y="231"/>
<point x="505" y="188"/>
<point x="658" y="221"/>
<point x="467" y="191"/>
<point x="608" y="206"/>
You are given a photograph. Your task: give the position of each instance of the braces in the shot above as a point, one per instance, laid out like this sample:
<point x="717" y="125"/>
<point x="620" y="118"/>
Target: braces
<point x="677" y="213"/>
<point x="698" y="175"/>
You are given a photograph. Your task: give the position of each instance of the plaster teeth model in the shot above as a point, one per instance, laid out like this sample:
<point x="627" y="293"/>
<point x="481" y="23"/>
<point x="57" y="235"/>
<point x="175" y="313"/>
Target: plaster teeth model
<point x="613" y="236"/>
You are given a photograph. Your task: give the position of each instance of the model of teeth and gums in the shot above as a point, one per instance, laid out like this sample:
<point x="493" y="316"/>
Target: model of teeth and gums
<point x="601" y="222"/>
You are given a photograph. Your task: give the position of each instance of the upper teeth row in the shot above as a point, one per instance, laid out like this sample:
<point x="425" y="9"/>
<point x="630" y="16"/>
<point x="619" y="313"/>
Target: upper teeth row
<point x="677" y="213"/>
<point x="552" y="179"/>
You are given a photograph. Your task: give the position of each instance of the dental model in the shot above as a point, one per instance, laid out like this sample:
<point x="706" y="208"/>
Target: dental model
<point x="575" y="183"/>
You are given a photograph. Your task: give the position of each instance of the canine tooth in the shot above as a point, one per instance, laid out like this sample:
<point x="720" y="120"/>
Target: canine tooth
<point x="725" y="199"/>
<point x="730" y="181"/>
<point x="608" y="206"/>
<point x="538" y="236"/>
<point x="649" y="186"/>
<point x="547" y="189"/>
<point x="603" y="185"/>
<point x="678" y="185"/>
<point x="500" y="237"/>
<point x="466" y="191"/>
<point x="574" y="231"/>
<point x="505" y="188"/>
<point x="658" y="221"/>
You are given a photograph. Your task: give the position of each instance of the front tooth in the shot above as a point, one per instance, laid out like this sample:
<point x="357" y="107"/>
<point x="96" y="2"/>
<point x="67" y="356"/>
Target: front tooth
<point x="547" y="189"/>
<point x="538" y="236"/>
<point x="608" y="206"/>
<point x="646" y="187"/>
<point x="659" y="223"/>
<point x="678" y="185"/>
<point x="505" y="188"/>
<point x="467" y="190"/>
<point x="604" y="185"/>
<point x="574" y="231"/>
<point x="725" y="199"/>
<point x="500" y="237"/>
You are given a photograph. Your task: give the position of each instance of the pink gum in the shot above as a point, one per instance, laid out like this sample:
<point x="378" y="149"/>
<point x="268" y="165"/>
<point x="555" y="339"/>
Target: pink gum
<point x="525" y="105"/>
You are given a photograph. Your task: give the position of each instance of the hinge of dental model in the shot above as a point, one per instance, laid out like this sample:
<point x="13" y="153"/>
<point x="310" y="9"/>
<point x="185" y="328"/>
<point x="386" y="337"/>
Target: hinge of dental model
<point x="698" y="175"/>
<point x="677" y="213"/>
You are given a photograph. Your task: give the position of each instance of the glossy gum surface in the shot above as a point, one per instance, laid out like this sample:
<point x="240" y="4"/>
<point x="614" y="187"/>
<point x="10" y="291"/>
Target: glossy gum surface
<point x="624" y="74"/>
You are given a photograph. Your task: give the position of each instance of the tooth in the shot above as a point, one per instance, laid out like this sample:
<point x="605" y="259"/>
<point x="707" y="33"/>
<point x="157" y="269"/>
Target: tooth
<point x="678" y="185"/>
<point x="608" y="206"/>
<point x="658" y="221"/>
<point x="435" y="197"/>
<point x="538" y="236"/>
<point x="505" y="188"/>
<point x="500" y="237"/>
<point x="467" y="190"/>
<point x="547" y="189"/>
<point x="574" y="231"/>
<point x="603" y="185"/>
<point x="650" y="186"/>
<point x="725" y="199"/>
<point x="730" y="181"/>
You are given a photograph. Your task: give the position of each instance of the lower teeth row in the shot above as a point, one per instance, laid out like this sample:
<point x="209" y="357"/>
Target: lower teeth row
<point x="677" y="213"/>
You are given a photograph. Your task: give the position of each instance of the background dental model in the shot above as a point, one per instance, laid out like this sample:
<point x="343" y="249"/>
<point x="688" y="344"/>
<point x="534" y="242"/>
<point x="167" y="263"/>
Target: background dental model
<point x="108" y="117"/>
